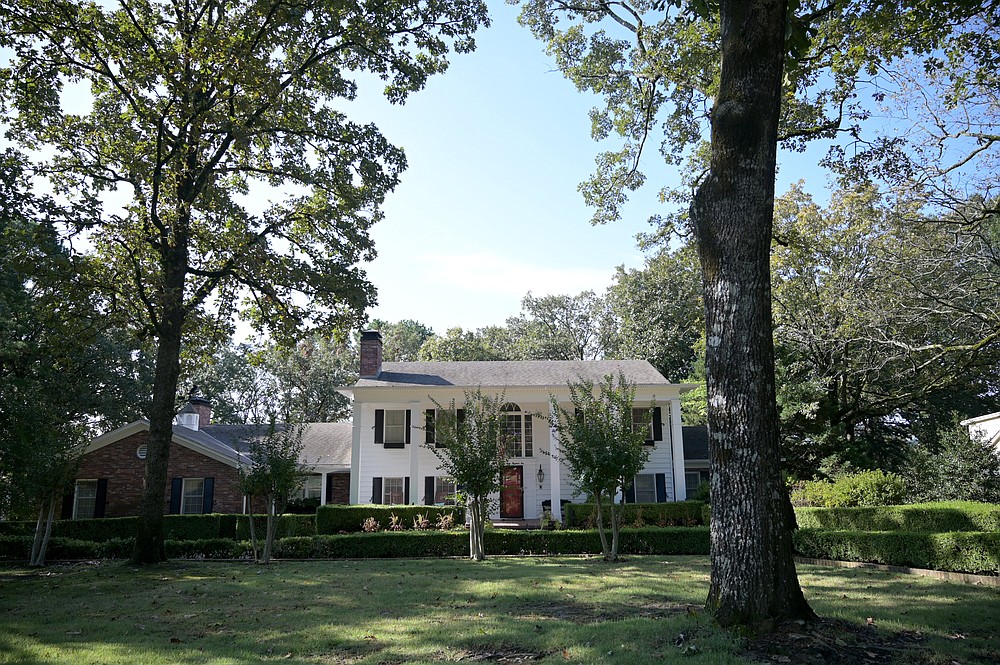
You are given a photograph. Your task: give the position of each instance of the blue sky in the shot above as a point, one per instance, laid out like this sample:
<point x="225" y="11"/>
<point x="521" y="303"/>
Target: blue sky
<point x="488" y="208"/>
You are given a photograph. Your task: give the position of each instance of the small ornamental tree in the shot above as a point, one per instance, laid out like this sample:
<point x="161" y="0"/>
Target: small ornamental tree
<point x="273" y="474"/>
<point x="602" y="445"/>
<point x="472" y="446"/>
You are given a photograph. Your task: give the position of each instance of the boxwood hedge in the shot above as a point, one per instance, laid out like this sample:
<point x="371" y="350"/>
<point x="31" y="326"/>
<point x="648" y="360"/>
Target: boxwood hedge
<point x="339" y="518"/>
<point x="386" y="545"/>
<point x="175" y="527"/>
<point x="286" y="527"/>
<point x="921" y="517"/>
<point x="962" y="552"/>
<point x="675" y="513"/>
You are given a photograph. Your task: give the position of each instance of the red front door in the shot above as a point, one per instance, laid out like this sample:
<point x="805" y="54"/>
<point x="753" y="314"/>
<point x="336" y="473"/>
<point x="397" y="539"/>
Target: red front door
<point x="512" y="492"/>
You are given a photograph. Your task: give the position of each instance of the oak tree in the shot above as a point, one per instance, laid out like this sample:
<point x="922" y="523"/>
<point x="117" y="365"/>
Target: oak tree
<point x="244" y="185"/>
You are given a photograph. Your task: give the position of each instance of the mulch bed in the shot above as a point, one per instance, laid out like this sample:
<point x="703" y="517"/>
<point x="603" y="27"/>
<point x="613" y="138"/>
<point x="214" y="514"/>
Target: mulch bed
<point x="835" y="642"/>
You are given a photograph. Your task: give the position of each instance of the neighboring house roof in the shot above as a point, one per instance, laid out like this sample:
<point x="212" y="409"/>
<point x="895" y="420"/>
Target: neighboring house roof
<point x="196" y="440"/>
<point x="511" y="373"/>
<point x="695" y="443"/>
<point x="323" y="444"/>
<point x="980" y="419"/>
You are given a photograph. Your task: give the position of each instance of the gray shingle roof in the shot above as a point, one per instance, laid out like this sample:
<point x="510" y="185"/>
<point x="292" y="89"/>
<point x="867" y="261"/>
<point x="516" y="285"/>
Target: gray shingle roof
<point x="322" y="443"/>
<point x="520" y="373"/>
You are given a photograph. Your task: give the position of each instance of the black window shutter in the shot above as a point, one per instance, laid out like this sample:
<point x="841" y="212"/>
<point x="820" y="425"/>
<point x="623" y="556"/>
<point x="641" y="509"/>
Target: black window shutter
<point x="67" y="507"/>
<point x="578" y="414"/>
<point x="379" y="425"/>
<point x="176" y="488"/>
<point x="406" y="491"/>
<point x="407" y="433"/>
<point x="206" y="503"/>
<point x="429" y="425"/>
<point x="428" y="490"/>
<point x="376" y="490"/>
<point x="630" y="491"/>
<point x="657" y="424"/>
<point x="329" y="488"/>
<point x="661" y="487"/>
<point x="460" y="416"/>
<point x="101" y="499"/>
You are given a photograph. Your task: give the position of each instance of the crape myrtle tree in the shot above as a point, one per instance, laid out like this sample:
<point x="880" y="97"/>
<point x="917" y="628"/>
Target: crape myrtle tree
<point x="471" y="444"/>
<point x="271" y="475"/>
<point x="246" y="187"/>
<point x="602" y="446"/>
<point x="688" y="68"/>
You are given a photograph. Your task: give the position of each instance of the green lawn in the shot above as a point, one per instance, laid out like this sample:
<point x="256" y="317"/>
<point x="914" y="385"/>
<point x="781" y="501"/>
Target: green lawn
<point x="554" y="610"/>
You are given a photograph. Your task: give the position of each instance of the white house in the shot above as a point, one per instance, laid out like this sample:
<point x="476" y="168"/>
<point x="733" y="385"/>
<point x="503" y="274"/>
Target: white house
<point x="391" y="464"/>
<point x="987" y="427"/>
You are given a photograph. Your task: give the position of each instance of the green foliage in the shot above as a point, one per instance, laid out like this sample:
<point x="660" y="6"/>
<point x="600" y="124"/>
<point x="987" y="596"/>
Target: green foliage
<point x="928" y="517"/>
<point x="561" y="327"/>
<point x="958" y="468"/>
<point x="285" y="526"/>
<point x="658" y="314"/>
<point x="863" y="488"/>
<point x="671" y="513"/>
<point x="401" y="341"/>
<point x="458" y="344"/>
<point x="473" y="450"/>
<point x="966" y="552"/>
<point x="600" y="445"/>
<point x="176" y="527"/>
<point x="336" y="518"/>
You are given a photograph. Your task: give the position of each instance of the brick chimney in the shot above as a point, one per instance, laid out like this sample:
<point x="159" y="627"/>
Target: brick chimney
<point x="371" y="354"/>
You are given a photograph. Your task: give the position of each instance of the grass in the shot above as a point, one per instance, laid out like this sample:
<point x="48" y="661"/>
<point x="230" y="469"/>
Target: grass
<point x="550" y="610"/>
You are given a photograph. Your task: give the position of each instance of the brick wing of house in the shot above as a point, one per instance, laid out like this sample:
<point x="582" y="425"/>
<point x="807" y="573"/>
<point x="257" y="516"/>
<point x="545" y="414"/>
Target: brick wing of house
<point x="394" y="402"/>
<point x="203" y="469"/>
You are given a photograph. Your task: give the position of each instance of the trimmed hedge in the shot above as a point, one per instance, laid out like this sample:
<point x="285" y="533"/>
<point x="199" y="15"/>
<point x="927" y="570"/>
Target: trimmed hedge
<point x="671" y="513"/>
<point x="960" y="552"/>
<point x="407" y="544"/>
<point x="386" y="545"/>
<point x="175" y="527"/>
<point x="18" y="548"/>
<point x="922" y="517"/>
<point x="339" y="518"/>
<point x="288" y="526"/>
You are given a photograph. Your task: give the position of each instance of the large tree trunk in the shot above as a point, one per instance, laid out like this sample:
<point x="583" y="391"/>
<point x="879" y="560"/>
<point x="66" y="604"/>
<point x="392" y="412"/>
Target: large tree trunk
<point x="36" y="544"/>
<point x="149" y="534"/>
<point x="754" y="582"/>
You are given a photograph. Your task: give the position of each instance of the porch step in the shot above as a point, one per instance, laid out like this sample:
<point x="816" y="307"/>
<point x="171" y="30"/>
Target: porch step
<point x="516" y="524"/>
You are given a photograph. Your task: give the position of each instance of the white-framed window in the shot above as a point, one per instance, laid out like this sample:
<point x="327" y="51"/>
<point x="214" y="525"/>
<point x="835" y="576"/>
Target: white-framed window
<point x="193" y="496"/>
<point x="642" y="422"/>
<point x="393" y="490"/>
<point x="84" y="499"/>
<point x="645" y="488"/>
<point x="395" y="426"/>
<point x="312" y="487"/>
<point x="517" y="427"/>
<point x="444" y="490"/>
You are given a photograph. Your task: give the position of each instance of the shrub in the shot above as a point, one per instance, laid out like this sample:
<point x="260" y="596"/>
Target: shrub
<point x="926" y="517"/>
<point x="340" y="518"/>
<point x="974" y="552"/>
<point x="175" y="527"/>
<point x="675" y="513"/>
<point x="864" y="488"/>
<point x="370" y="525"/>
<point x="421" y="523"/>
<point x="287" y="526"/>
<point x="958" y="468"/>
<point x="445" y="521"/>
<point x="302" y="506"/>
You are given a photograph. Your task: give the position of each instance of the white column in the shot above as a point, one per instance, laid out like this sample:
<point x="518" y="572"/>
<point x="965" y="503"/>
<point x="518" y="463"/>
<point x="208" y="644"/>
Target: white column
<point x="356" y="419"/>
<point x="555" y="479"/>
<point x="322" y="491"/>
<point x="677" y="450"/>
<point x="416" y="434"/>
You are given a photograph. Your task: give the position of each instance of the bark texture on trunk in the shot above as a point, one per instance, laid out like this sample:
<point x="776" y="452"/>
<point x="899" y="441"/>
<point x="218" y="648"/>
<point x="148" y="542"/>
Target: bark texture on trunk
<point x="754" y="583"/>
<point x="149" y="533"/>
